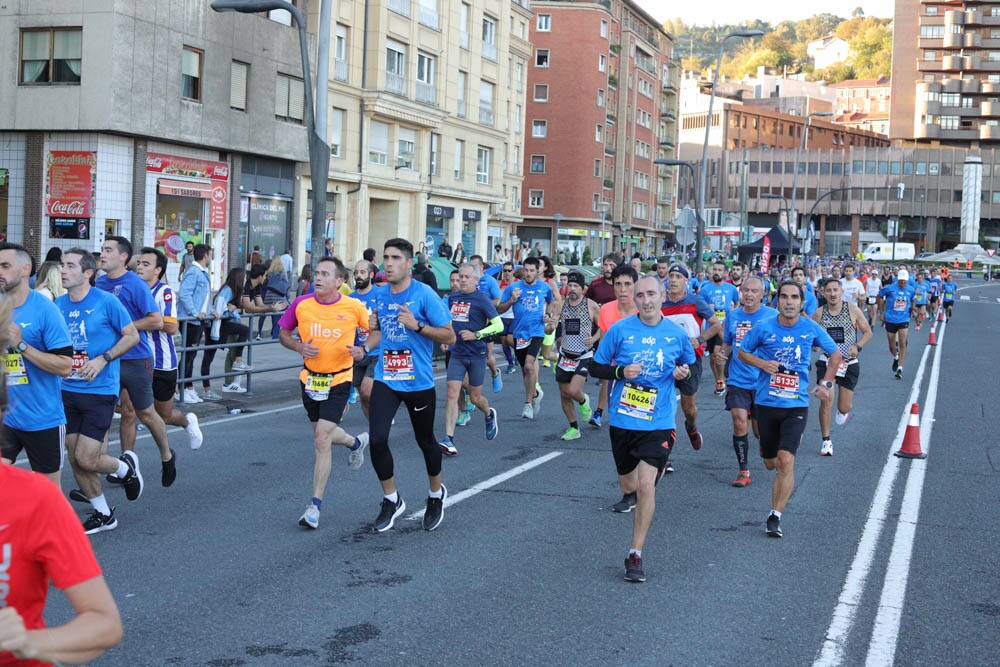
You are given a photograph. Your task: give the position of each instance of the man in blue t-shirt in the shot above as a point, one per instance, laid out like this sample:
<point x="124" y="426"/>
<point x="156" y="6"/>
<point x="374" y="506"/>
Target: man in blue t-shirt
<point x="136" y="364"/>
<point x="365" y="291"/>
<point x="722" y="297"/>
<point x="489" y="286"/>
<point x="530" y="298"/>
<point x="895" y="303"/>
<point x="780" y="348"/>
<point x="412" y="318"/>
<point x="921" y="296"/>
<point x="948" y="289"/>
<point x="644" y="355"/>
<point x="743" y="378"/>
<point x="474" y="318"/>
<point x="39" y="352"/>
<point x="100" y="331"/>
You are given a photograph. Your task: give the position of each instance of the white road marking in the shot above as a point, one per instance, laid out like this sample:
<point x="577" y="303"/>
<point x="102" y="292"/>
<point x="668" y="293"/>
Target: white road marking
<point x="965" y="297"/>
<point x="490" y="483"/>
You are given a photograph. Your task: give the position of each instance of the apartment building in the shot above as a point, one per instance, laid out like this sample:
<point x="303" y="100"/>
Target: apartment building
<point x="161" y="122"/>
<point x="426" y="122"/>
<point x="602" y="107"/>
<point x="863" y="104"/>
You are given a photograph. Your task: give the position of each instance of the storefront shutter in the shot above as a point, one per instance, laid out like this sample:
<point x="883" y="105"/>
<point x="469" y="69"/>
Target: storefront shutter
<point x="296" y="99"/>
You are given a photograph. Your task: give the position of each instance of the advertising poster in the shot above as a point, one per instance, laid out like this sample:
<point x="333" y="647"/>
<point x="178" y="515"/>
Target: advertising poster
<point x="70" y="185"/>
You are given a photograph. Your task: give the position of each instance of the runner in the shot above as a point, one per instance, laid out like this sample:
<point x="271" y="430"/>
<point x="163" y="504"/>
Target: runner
<point x="580" y="334"/>
<point x="101" y="330"/>
<point x="506" y="337"/>
<point x="843" y="321"/>
<point x="548" y="355"/>
<point x="530" y="298"/>
<point x="921" y="294"/>
<point x="743" y="379"/>
<point x="738" y="273"/>
<point x="933" y="293"/>
<point x="364" y="369"/>
<point x="780" y="347"/>
<point x="151" y="267"/>
<point x="872" y="288"/>
<point x="948" y="289"/>
<point x="853" y="289"/>
<point x="324" y="319"/>
<point x="489" y="286"/>
<point x="722" y="297"/>
<point x="412" y="318"/>
<point x="644" y="356"/>
<point x="623" y="278"/>
<point x="600" y="289"/>
<point x="810" y="303"/>
<point x="895" y="299"/>
<point x="39" y="352"/>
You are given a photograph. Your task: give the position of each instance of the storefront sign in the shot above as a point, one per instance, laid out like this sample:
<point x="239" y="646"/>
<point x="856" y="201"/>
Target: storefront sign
<point x="440" y="211"/>
<point x="69" y="228"/>
<point x="71" y="184"/>
<point x="471" y="215"/>
<point x="216" y="190"/>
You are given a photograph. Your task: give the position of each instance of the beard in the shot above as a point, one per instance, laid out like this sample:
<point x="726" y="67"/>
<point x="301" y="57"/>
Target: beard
<point x="362" y="283"/>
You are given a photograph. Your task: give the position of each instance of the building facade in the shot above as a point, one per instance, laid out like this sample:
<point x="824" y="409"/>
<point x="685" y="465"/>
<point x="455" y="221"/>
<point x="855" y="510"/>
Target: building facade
<point x="602" y="106"/>
<point x="863" y="104"/>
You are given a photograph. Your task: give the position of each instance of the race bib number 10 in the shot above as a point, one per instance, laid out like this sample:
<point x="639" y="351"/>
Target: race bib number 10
<point x="637" y="401"/>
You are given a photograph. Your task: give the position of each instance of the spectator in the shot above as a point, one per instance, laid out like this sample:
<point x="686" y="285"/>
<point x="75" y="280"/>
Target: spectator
<point x="186" y="258"/>
<point x="305" y="281"/>
<point x="226" y="322"/>
<point x="328" y="248"/>
<point x="289" y="263"/>
<point x="49" y="280"/>
<point x="498" y="256"/>
<point x="445" y="250"/>
<point x="422" y="271"/>
<point x="459" y="256"/>
<point x="274" y="293"/>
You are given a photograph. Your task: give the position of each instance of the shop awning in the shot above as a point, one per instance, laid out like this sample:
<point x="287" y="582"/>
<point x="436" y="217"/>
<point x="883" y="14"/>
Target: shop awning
<point x="184" y="188"/>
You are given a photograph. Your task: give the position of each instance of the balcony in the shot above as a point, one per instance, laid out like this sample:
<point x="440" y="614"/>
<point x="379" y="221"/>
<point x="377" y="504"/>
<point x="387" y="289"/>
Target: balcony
<point x="989" y="132"/>
<point x="972" y="40"/>
<point x="400" y="7"/>
<point x="340" y="69"/>
<point x="490" y="51"/>
<point x="989" y="108"/>
<point x="987" y="88"/>
<point x="926" y="131"/>
<point x="426" y="93"/>
<point x="663" y="198"/>
<point x="955" y="17"/>
<point x="395" y="83"/>
<point x="486" y="114"/>
<point x="929" y="66"/>
<point x="428" y="17"/>
<point x="953" y="40"/>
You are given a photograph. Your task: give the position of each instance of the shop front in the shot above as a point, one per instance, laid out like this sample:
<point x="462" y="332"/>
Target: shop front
<point x="470" y="225"/>
<point x="527" y="236"/>
<point x="579" y="246"/>
<point x="266" y="221"/>
<point x="438" y="222"/>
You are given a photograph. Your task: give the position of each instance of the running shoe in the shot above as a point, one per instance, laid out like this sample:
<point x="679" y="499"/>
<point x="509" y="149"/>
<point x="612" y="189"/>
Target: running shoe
<point x="895" y="364"/>
<point x="464" y="417"/>
<point x="133" y="478"/>
<point x="97" y="522"/>
<point x="585" y="412"/>
<point x="720" y="387"/>
<point x="899" y="373"/>
<point x="194" y="430"/>
<point x="827" y="449"/>
<point x="511" y="368"/>
<point x="527" y="412"/>
<point x="570" y="434"/>
<point x="356" y="458"/>
<point x="491" y="425"/>
<point x="669" y="468"/>
<point x="742" y="479"/>
<point x="241" y="366"/>
<point x="310" y="518"/>
<point x="595" y="419"/>
<point x="773" y="528"/>
<point x="211" y="395"/>
<point x="113" y="479"/>
<point x="447" y="446"/>
<point x="546" y="363"/>
<point x="434" y="511"/>
<point x="388" y="513"/>
<point x="625" y="505"/>
<point x="469" y="407"/>
<point x="695" y="438"/>
<point x="169" y="472"/>
<point x="191" y="396"/>
<point x="633" y="569"/>
<point x="841" y="418"/>
<point x="353" y="398"/>
<point x="233" y="388"/>
<point x="536" y="402"/>
<point x="77" y="496"/>
<point x="497" y="382"/>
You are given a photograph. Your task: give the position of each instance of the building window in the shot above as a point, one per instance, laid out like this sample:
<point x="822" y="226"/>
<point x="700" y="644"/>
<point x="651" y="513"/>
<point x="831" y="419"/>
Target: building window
<point x="489" y="38"/>
<point x="459" y="156"/>
<point x="600" y="97"/>
<point x="602" y="62"/>
<point x="427" y="13"/>
<point x="537" y="164"/>
<point x="378" y="143"/>
<point x="395" y="67"/>
<point x="536" y="198"/>
<point x="340" y="53"/>
<point x="336" y="131"/>
<point x="462" y="78"/>
<point x="542" y="58"/>
<point x="544" y="23"/>
<point x="406" y="147"/>
<point x="238" y="76"/>
<point x="541" y="93"/>
<point x="435" y="153"/>
<point x="483" y="158"/>
<point x="517" y="161"/>
<point x="463" y="26"/>
<point x="539" y="128"/>
<point x="289" y="98"/>
<point x="604" y="29"/>
<point x="51" y="56"/>
<point x="599" y="133"/>
<point x="517" y="119"/>
<point x="486" y="95"/>
<point x="191" y="74"/>
<point x="425" y="79"/>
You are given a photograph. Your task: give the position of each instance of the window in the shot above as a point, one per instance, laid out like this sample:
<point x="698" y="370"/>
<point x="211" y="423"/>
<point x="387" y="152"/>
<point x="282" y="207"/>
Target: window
<point x="599" y="133"/>
<point x="340" y="53"/>
<point x="597" y="169"/>
<point x="51" y="56"/>
<point x="537" y="164"/>
<point x="406" y="147"/>
<point x="517" y="119"/>
<point x="517" y="160"/>
<point x="395" y="67"/>
<point x="459" y="153"/>
<point x="425" y="78"/>
<point x="289" y="98"/>
<point x="483" y="158"/>
<point x="604" y="29"/>
<point x="427" y="13"/>
<point x="536" y="198"/>
<point x="519" y="77"/>
<point x="544" y="23"/>
<point x="595" y="201"/>
<point x="489" y="38"/>
<point x="486" y="103"/>
<point x="238" y="85"/>
<point x="462" y="77"/>
<point x="378" y="143"/>
<point x="640" y="180"/>
<point x="602" y="62"/>
<point x="600" y="97"/>
<point x="541" y="93"/>
<point x="640" y="210"/>
<point x="435" y="153"/>
<point x="336" y="131"/>
<point x="539" y="128"/>
<point x="463" y="26"/>
<point x="542" y="58"/>
<point x="191" y="74"/>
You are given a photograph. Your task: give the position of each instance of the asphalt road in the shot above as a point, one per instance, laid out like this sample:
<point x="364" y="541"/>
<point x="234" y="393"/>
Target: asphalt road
<point x="883" y="561"/>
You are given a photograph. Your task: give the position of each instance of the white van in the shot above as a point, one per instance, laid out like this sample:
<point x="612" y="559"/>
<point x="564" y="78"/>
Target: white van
<point x="882" y="251"/>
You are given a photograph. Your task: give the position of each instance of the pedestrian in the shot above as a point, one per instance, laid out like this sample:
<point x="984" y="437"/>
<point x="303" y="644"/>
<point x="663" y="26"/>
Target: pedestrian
<point x="226" y="322"/>
<point x="49" y="282"/>
<point x="458" y="257"/>
<point x="305" y="281"/>
<point x="445" y="250"/>
<point x="423" y="272"/>
<point x="274" y="292"/>
<point x="194" y="305"/>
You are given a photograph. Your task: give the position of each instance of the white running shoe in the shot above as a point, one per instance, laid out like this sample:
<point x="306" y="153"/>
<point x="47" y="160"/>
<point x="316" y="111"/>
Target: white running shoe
<point x="827" y="449"/>
<point x="841" y="418"/>
<point x="194" y="430"/>
<point x="310" y="518"/>
<point x="191" y="396"/>
<point x="527" y="413"/>
<point x="357" y="456"/>
<point x="536" y="402"/>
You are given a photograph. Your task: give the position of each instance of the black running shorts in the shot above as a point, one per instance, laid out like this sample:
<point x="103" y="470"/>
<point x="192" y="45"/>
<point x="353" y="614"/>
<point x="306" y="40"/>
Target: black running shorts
<point x="629" y="447"/>
<point x="780" y="429"/>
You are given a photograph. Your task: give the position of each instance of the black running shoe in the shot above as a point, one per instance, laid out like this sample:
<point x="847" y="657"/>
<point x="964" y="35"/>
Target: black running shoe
<point x="169" y="469"/>
<point x="899" y="373"/>
<point x="435" y="510"/>
<point x="773" y="526"/>
<point x="633" y="569"/>
<point x="133" y="478"/>
<point x="625" y="505"/>
<point x="669" y="468"/>
<point x="76" y="495"/>
<point x="113" y="479"/>
<point x="895" y="364"/>
<point x="387" y="515"/>
<point x="97" y="522"/>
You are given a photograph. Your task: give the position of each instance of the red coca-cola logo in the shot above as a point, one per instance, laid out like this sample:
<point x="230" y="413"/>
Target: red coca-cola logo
<point x="154" y="163"/>
<point x="69" y="208"/>
<point x="222" y="171"/>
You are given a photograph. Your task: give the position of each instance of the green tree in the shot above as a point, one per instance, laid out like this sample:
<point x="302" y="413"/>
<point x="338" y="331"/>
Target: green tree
<point x="815" y="27"/>
<point x="871" y="52"/>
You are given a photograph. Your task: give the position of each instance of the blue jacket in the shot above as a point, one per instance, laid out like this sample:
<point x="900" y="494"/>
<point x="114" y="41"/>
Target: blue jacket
<point x="193" y="292"/>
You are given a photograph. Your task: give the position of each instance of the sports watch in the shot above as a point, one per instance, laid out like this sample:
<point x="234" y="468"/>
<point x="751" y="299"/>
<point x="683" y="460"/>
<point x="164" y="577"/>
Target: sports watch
<point x="22" y="347"/>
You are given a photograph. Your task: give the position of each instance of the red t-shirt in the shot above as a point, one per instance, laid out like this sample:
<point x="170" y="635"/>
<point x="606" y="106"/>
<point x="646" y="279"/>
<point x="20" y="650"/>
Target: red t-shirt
<point x="41" y="539"/>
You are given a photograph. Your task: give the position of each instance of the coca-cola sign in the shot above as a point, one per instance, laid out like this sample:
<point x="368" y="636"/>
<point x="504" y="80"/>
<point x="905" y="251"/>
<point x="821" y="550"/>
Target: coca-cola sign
<point x="76" y="209"/>
<point x="187" y="166"/>
<point x="70" y="186"/>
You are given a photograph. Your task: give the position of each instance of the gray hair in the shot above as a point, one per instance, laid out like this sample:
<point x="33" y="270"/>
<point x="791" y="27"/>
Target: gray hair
<point x="477" y="272"/>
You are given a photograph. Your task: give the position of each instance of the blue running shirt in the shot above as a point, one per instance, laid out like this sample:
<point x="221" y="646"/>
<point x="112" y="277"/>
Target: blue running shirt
<point x="720" y="297"/>
<point x="96" y="323"/>
<point x="133" y="293"/>
<point x="738" y="325"/>
<point x="948" y="289"/>
<point x="360" y="337"/>
<point x="529" y="309"/>
<point x="405" y="359"/>
<point x="790" y="346"/>
<point x="898" y="301"/>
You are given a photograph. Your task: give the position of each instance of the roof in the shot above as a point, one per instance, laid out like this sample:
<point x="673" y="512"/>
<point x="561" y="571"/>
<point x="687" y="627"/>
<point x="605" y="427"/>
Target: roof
<point x="862" y="83"/>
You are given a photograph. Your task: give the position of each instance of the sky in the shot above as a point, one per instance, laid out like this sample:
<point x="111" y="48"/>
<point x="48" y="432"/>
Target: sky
<point x="772" y="11"/>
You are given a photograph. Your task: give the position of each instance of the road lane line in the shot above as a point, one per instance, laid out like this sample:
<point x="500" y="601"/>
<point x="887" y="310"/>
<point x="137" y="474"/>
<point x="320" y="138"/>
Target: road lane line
<point x="832" y="651"/>
<point x="885" y="632"/>
<point x="490" y="483"/>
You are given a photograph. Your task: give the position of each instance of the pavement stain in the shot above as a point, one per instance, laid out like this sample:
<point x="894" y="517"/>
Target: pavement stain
<point x="986" y="609"/>
<point x="279" y="649"/>
<point x="377" y="578"/>
<point x="352" y="635"/>
<point x="519" y="455"/>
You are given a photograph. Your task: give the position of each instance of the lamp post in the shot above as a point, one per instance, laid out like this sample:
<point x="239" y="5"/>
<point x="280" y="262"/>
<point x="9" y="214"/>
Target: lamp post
<point x="699" y="237"/>
<point x="604" y="207"/>
<point x="795" y="173"/>
<point x="319" y="150"/>
<point x="670" y="162"/>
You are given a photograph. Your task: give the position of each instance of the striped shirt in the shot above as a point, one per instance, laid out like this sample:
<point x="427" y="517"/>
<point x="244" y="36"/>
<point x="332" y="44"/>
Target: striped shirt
<point x="164" y="354"/>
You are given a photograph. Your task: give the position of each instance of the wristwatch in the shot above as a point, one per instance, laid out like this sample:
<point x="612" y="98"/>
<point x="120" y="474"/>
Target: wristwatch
<point x="106" y="357"/>
<point x="22" y="347"/>
<point x="420" y="326"/>
<point x="827" y="384"/>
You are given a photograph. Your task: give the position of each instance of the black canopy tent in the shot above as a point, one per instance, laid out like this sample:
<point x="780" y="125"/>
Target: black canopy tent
<point x="779" y="245"/>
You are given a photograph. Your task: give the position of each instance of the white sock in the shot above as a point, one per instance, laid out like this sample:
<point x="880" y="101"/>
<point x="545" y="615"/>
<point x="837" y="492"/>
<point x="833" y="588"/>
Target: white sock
<point x="122" y="470"/>
<point x="436" y="494"/>
<point x="101" y="505"/>
<point x="776" y="513"/>
<point x="637" y="552"/>
<point x="393" y="497"/>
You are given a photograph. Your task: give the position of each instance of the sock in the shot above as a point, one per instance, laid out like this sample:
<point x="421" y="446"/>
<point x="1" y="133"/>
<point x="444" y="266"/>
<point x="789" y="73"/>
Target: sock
<point x="691" y="428"/>
<point x="826" y="437"/>
<point x="582" y="401"/>
<point x="101" y="505"/>
<point x="901" y="368"/>
<point x="122" y="470"/>
<point x="356" y="445"/>
<point x="317" y="502"/>
<point x="776" y="513"/>
<point x="741" y="445"/>
<point x="509" y="356"/>
<point x="573" y="425"/>
<point x="496" y="374"/>
<point x="637" y="552"/>
<point x="598" y="412"/>
<point x="435" y="494"/>
<point x="392" y="497"/>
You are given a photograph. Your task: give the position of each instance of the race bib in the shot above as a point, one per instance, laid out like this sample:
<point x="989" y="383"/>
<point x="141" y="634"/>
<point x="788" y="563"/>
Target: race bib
<point x="460" y="311"/>
<point x="872" y="300"/>
<point x="318" y="386"/>
<point x="720" y="315"/>
<point x="14" y="368"/>
<point x="637" y="401"/>
<point x="842" y="369"/>
<point x="784" y="385"/>
<point x="836" y="333"/>
<point x="571" y="327"/>
<point x="522" y="343"/>
<point x="397" y="365"/>
<point x="899" y="305"/>
<point x="567" y="364"/>
<point x="742" y="329"/>
<point x="80" y="360"/>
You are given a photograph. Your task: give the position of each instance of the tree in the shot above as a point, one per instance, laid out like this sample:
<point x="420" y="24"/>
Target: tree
<point x="816" y="27"/>
<point x="871" y="52"/>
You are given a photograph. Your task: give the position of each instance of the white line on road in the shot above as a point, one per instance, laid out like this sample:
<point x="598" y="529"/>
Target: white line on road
<point x="965" y="297"/>
<point x="832" y="652"/>
<point x="490" y="483"/>
<point x="885" y="633"/>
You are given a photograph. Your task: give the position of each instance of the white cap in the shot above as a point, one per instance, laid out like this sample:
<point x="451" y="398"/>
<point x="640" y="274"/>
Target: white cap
<point x="903" y="275"/>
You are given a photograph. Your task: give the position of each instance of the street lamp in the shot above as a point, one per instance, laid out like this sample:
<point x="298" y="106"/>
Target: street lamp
<point x="603" y="207"/>
<point x="795" y="173"/>
<point x="736" y="34"/>
<point x="670" y="162"/>
<point x="319" y="150"/>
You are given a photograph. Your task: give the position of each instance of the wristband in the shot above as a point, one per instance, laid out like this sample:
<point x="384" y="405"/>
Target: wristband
<point x="367" y="351"/>
<point x="618" y="372"/>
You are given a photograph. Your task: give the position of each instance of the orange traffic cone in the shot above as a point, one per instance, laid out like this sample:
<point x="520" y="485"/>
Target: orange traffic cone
<point x="940" y="316"/>
<point x="911" y="439"/>
<point x="933" y="338"/>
